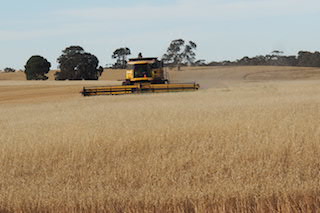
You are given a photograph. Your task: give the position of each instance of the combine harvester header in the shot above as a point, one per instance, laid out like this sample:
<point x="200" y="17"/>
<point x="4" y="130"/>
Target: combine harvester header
<point x="144" y="75"/>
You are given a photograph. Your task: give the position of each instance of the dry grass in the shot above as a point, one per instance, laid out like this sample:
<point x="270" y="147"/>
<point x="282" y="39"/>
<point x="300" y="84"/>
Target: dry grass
<point x="109" y="74"/>
<point x="245" y="147"/>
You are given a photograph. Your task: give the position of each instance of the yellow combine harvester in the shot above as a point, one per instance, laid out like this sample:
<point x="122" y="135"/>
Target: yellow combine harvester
<point x="143" y="75"/>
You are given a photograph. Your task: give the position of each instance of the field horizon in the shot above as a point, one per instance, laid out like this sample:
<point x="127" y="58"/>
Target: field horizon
<point x="15" y="88"/>
<point x="247" y="141"/>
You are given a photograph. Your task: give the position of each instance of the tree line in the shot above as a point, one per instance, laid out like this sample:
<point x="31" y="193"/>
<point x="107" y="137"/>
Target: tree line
<point x="276" y="58"/>
<point x="178" y="53"/>
<point x="77" y="64"/>
<point x="74" y="64"/>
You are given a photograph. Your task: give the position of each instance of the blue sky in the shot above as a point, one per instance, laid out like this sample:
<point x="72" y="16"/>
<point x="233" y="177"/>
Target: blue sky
<point x="223" y="29"/>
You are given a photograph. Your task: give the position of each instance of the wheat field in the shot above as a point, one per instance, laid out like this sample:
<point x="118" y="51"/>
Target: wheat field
<point x="247" y="141"/>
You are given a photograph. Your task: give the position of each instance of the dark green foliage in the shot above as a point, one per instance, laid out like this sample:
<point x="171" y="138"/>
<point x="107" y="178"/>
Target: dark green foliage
<point x="309" y="59"/>
<point x="200" y="62"/>
<point x="178" y="53"/>
<point x="121" y="55"/>
<point x="304" y="58"/>
<point x="76" y="64"/>
<point x="36" y="68"/>
<point x="8" y="69"/>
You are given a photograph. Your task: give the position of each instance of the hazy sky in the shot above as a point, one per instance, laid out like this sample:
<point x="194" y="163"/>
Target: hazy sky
<point x="223" y="29"/>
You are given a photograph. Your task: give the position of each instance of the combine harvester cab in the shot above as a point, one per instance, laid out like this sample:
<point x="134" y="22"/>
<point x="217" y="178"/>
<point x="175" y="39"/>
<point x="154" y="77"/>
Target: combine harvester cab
<point x="144" y="75"/>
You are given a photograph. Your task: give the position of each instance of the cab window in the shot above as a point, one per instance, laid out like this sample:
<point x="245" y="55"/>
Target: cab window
<point x="141" y="70"/>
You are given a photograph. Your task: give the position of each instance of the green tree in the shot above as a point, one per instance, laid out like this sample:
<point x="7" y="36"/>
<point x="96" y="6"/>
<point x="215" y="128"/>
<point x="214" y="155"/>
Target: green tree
<point x="121" y="55"/>
<point x="9" y="69"/>
<point x="36" y="68"/>
<point x="189" y="55"/>
<point x="179" y="52"/>
<point x="277" y="52"/>
<point x="76" y="64"/>
<point x="309" y="59"/>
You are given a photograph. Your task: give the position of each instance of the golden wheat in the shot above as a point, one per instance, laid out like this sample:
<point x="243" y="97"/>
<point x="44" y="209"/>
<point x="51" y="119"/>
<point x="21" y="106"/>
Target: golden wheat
<point x="252" y="147"/>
